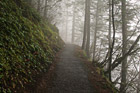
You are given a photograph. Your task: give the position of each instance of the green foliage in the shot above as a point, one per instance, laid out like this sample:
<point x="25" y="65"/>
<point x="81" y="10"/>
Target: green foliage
<point x="27" y="44"/>
<point x="82" y="54"/>
<point x="109" y="85"/>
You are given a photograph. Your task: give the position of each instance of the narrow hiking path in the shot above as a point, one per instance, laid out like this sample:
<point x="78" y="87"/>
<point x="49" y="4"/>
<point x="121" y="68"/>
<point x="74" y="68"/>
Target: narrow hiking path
<point x="70" y="74"/>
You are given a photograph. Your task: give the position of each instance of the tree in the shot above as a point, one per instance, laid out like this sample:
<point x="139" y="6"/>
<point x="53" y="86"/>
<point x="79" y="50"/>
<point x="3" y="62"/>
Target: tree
<point x="124" y="49"/>
<point x="113" y="42"/>
<point x="95" y="32"/>
<point x="88" y="27"/>
<point x="85" y="33"/>
<point x="39" y="6"/>
<point x="109" y="39"/>
<point x="73" y="23"/>
<point x="45" y="8"/>
<point x="66" y="38"/>
<point x="138" y="86"/>
<point x="30" y="2"/>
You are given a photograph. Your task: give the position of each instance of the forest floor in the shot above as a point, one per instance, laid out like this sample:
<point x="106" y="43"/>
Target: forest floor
<point x="70" y="73"/>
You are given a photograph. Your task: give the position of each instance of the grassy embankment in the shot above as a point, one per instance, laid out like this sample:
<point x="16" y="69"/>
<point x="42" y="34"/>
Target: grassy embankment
<point x="27" y="44"/>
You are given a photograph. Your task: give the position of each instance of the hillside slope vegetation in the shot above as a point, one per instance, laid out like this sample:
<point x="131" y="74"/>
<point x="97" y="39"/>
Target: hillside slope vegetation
<point x="27" y="44"/>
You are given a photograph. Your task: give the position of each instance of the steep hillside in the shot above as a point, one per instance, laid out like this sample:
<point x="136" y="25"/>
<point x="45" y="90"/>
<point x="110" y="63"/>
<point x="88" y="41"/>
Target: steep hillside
<point x="27" y="44"/>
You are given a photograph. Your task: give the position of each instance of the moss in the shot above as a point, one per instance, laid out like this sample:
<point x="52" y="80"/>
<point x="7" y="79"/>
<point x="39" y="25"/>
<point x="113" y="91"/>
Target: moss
<point x="108" y="84"/>
<point x="27" y="44"/>
<point x="81" y="53"/>
<point x="105" y="84"/>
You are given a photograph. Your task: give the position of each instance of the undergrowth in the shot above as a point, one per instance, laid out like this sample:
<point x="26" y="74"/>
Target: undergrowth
<point x="96" y="68"/>
<point x="27" y="44"/>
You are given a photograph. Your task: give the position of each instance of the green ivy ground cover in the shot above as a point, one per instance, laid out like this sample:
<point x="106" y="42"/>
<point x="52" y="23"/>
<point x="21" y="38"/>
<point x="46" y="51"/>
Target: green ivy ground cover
<point x="27" y="44"/>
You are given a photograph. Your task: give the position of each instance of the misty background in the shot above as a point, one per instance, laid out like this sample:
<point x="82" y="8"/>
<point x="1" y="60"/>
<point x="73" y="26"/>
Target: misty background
<point x="69" y="16"/>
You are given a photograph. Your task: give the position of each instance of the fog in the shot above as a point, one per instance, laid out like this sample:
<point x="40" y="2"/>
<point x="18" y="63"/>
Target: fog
<point x="108" y="31"/>
<point x="133" y="30"/>
<point x="60" y="44"/>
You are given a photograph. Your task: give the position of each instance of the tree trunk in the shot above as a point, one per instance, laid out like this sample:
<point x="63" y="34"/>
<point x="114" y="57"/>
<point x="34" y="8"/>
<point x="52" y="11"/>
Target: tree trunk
<point x="45" y="9"/>
<point x="30" y="2"/>
<point x="95" y="33"/>
<point x="124" y="49"/>
<point x="109" y="39"/>
<point x="73" y="24"/>
<point x="138" y="87"/>
<point x="85" y="33"/>
<point x="66" y="24"/>
<point x="88" y="28"/>
<point x="39" y="6"/>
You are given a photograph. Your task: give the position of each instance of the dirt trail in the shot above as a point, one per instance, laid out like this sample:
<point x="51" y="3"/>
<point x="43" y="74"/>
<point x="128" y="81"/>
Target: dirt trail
<point x="67" y="75"/>
<point x="70" y="74"/>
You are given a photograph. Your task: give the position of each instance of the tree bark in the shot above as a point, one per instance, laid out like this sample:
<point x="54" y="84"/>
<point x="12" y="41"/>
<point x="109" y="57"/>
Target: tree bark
<point x="39" y="6"/>
<point x="66" y="24"/>
<point x="124" y="49"/>
<point x="95" y="33"/>
<point x="45" y="9"/>
<point x="88" y="28"/>
<point x="73" y="24"/>
<point x="30" y="2"/>
<point x="138" y="87"/>
<point x="85" y="32"/>
<point x="109" y="39"/>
